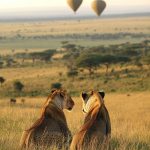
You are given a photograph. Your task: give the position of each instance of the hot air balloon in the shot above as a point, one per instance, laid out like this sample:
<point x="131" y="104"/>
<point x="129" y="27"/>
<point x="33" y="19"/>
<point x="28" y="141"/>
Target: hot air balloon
<point x="74" y="4"/>
<point x="98" y="6"/>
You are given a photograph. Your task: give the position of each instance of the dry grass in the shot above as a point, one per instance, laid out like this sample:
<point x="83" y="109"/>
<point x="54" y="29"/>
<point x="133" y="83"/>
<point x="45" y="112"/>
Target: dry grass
<point x="31" y="72"/>
<point x="40" y="78"/>
<point x="50" y="70"/>
<point x="129" y="116"/>
<point x="77" y="26"/>
<point x="31" y="30"/>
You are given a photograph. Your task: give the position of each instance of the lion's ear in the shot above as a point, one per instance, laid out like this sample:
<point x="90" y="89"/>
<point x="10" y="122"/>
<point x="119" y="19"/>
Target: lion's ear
<point x="61" y="95"/>
<point x="84" y="95"/>
<point x="102" y="93"/>
<point x="53" y="90"/>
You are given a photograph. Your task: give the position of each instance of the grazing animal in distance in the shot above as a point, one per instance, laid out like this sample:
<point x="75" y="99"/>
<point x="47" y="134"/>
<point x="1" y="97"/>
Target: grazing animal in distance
<point x="23" y="100"/>
<point x="51" y="129"/>
<point x="95" y="132"/>
<point x="13" y="101"/>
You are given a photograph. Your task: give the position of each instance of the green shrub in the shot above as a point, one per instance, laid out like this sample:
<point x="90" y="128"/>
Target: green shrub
<point x="18" y="86"/>
<point x="2" y="80"/>
<point x="72" y="73"/>
<point x="56" y="85"/>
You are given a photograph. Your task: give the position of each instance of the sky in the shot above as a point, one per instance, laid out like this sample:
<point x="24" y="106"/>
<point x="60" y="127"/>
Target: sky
<point x="41" y="8"/>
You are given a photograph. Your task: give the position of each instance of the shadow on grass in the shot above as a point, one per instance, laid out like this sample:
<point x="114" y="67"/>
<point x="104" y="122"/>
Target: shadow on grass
<point x="118" y="144"/>
<point x="114" y="144"/>
<point x="138" y="145"/>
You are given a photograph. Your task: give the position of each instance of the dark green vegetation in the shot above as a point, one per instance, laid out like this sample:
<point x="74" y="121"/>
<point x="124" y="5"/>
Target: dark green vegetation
<point x="18" y="86"/>
<point x="2" y="80"/>
<point x="114" y="68"/>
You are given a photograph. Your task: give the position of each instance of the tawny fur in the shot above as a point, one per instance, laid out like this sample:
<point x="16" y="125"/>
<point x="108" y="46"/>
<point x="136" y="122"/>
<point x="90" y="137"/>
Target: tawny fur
<point x="51" y="129"/>
<point x="95" y="133"/>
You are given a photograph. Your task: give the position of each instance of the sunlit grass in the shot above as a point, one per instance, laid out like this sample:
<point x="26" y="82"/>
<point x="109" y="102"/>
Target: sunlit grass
<point x="129" y="117"/>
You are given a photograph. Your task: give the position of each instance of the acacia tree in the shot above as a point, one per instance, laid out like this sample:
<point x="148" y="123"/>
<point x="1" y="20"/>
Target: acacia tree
<point x="89" y="62"/>
<point x="107" y="60"/>
<point x="92" y="61"/>
<point x="70" y="47"/>
<point x="44" y="56"/>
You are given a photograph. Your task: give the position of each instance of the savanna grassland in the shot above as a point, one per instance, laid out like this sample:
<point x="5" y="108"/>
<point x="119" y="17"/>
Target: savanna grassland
<point x="93" y="32"/>
<point x="78" y="55"/>
<point x="129" y="117"/>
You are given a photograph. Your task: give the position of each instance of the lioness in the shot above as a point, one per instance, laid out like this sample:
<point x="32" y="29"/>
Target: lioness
<point x="95" y="132"/>
<point x="51" y="129"/>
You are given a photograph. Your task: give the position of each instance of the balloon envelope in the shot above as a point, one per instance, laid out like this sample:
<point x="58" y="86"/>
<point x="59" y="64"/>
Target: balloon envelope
<point x="74" y="4"/>
<point x="98" y="6"/>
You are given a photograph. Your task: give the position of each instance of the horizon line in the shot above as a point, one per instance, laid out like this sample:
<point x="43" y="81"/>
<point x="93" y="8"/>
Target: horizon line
<point x="105" y="16"/>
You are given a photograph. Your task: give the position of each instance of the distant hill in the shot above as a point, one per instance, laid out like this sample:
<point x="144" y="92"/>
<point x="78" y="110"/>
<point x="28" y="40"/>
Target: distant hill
<point x="47" y="18"/>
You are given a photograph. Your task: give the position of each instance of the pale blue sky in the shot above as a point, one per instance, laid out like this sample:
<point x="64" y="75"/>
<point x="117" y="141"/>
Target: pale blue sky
<point x="57" y="7"/>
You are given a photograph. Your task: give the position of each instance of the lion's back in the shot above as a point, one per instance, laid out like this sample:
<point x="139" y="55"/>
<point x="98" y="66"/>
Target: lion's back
<point x="49" y="133"/>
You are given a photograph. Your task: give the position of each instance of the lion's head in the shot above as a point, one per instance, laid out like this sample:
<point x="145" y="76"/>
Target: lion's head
<point x="92" y="98"/>
<point x="61" y="98"/>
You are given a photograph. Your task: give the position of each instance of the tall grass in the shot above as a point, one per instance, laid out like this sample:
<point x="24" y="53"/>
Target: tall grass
<point x="129" y="117"/>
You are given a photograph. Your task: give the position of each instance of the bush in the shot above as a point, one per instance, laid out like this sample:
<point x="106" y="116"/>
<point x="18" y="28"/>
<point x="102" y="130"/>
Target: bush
<point x="113" y="90"/>
<point x="2" y="80"/>
<point x="105" y="81"/>
<point x="81" y="78"/>
<point x="45" y="55"/>
<point x="1" y="64"/>
<point x="117" y="76"/>
<point x="72" y="73"/>
<point x="18" y="86"/>
<point x="56" y="85"/>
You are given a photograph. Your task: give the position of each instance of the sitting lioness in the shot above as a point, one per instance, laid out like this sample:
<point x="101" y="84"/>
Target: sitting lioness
<point x="94" y="134"/>
<point x="51" y="129"/>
